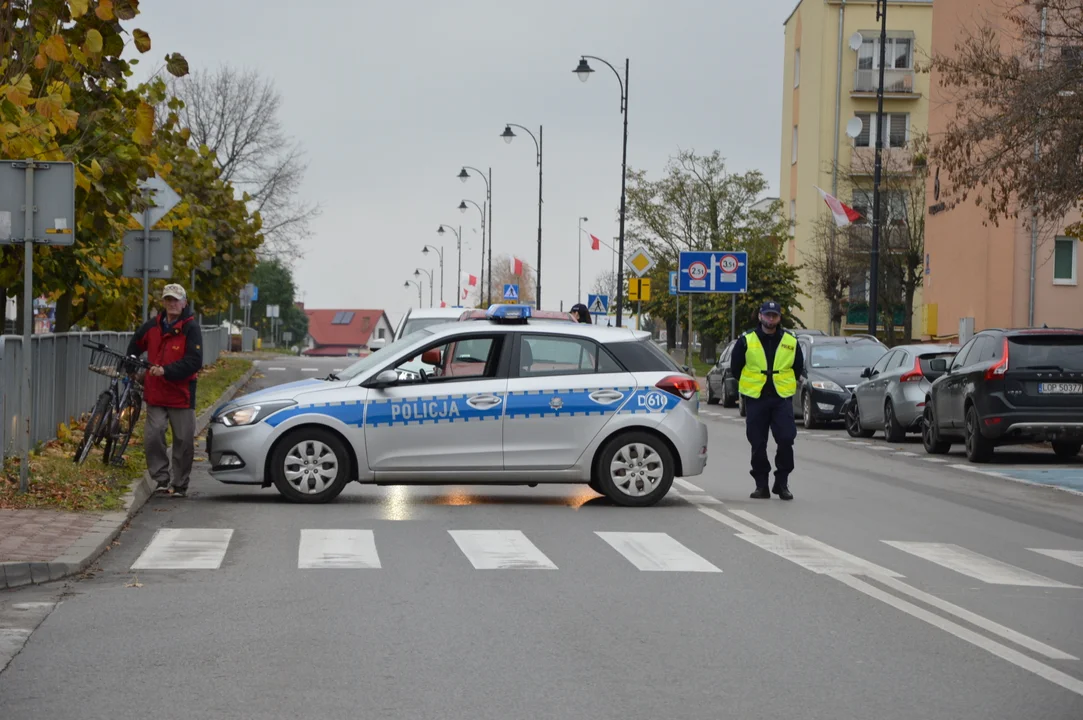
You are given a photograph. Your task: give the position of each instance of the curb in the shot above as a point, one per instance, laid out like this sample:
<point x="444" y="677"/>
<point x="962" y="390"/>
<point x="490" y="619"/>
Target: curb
<point x="84" y="551"/>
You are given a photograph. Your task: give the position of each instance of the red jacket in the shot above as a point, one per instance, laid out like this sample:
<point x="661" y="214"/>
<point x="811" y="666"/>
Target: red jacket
<point x="179" y="351"/>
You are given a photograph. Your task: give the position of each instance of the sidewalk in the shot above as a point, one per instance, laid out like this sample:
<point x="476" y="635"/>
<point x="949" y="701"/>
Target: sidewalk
<point x="38" y="546"/>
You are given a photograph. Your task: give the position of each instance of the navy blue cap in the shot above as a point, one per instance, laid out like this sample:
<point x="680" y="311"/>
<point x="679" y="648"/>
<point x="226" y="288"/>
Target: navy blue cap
<point x="771" y="307"/>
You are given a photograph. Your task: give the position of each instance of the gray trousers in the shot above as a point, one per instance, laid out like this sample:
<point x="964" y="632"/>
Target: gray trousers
<point x="183" y="422"/>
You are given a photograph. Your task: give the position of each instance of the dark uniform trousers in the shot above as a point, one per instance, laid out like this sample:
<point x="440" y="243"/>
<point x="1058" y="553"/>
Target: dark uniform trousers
<point x="774" y="414"/>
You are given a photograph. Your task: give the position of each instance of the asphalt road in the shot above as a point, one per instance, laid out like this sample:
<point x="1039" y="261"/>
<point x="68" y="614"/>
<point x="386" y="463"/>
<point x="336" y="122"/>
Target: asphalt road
<point x="891" y="588"/>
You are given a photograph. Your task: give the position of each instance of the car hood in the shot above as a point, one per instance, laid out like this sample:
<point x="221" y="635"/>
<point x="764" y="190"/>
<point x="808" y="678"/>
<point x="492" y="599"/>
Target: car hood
<point x="839" y="376"/>
<point x="286" y="391"/>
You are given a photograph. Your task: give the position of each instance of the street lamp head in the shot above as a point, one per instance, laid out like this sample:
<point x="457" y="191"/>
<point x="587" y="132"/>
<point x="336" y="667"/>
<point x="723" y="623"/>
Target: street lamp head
<point x="508" y="135"/>
<point x="425" y="250"/>
<point x="584" y="219"/>
<point x="462" y="207"/>
<point x="440" y="230"/>
<point x="464" y="175"/>
<point x="583" y="70"/>
<point x="417" y="273"/>
<point x="406" y="284"/>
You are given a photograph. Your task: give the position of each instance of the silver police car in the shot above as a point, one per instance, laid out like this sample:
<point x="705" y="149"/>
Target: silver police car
<point x="504" y="402"/>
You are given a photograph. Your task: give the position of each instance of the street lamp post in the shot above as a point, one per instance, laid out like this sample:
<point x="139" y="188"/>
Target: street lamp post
<point x="508" y="136"/>
<point x="481" y="208"/>
<point x="459" y="245"/>
<point x="464" y="176"/>
<point x="408" y="283"/>
<point x="579" y="244"/>
<point x="877" y="215"/>
<point x="417" y="274"/>
<point x="440" y="251"/>
<point x="584" y="71"/>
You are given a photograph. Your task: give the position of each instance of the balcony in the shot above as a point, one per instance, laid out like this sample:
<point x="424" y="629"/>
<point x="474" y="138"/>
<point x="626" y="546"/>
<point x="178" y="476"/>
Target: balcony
<point x="897" y="83"/>
<point x="894" y="161"/>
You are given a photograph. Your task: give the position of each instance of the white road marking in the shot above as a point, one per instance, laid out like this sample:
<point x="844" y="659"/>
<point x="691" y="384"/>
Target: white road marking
<point x="703" y="499"/>
<point x="339" y="549"/>
<point x="655" y="551"/>
<point x="934" y="460"/>
<point x="879" y="447"/>
<point x="687" y="485"/>
<point x="185" y="549"/>
<point x="337" y="369"/>
<point x="810" y="554"/>
<point x="860" y="442"/>
<point x="501" y="550"/>
<point x="769" y="527"/>
<point x="977" y="620"/>
<point x="1074" y="557"/>
<point x="1002" y="651"/>
<point x="270" y="368"/>
<point x="906" y="453"/>
<point x="728" y="521"/>
<point x="975" y="565"/>
<point x="971" y="468"/>
<point x="310" y="369"/>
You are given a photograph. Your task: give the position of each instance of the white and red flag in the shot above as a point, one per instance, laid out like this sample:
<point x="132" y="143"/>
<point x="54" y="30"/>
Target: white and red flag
<point x="595" y="243"/>
<point x="516" y="266"/>
<point x="843" y="214"/>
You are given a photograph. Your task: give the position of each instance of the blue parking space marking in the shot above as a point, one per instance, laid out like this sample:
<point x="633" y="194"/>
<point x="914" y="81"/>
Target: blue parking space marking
<point x="1071" y="478"/>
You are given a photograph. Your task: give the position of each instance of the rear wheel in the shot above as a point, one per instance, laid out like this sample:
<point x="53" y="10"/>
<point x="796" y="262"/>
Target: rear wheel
<point x="728" y="401"/>
<point x="979" y="449"/>
<point x="711" y="399"/>
<point x="128" y="418"/>
<point x="741" y="403"/>
<point x="893" y="431"/>
<point x="635" y="469"/>
<point x="95" y="427"/>
<point x="310" y="465"/>
<point x="1066" y="449"/>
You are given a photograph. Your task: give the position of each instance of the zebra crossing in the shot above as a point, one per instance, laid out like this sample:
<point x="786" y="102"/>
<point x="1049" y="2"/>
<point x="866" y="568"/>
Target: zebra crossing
<point x="504" y="549"/>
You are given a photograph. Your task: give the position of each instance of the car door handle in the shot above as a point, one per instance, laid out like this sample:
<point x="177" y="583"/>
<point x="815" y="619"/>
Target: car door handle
<point x="606" y="396"/>
<point x="483" y="402"/>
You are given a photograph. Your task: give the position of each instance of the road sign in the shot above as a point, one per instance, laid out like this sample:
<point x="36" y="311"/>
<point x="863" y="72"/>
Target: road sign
<point x="673" y="282"/>
<point x="639" y="289"/>
<point x="249" y="294"/>
<point x="598" y="304"/>
<point x="53" y="201"/>
<point x="640" y="262"/>
<point x="713" y="272"/>
<point x="272" y="311"/>
<point x="287" y="336"/>
<point x="511" y="292"/>
<point x="159" y="254"/>
<point x="162" y="198"/>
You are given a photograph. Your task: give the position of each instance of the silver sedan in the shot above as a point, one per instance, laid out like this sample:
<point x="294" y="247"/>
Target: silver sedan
<point x="504" y="401"/>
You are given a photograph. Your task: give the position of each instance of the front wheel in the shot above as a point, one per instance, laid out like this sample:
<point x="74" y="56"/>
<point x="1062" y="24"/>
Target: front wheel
<point x="310" y="465"/>
<point x="635" y="469"/>
<point x="95" y="428"/>
<point x="853" y="422"/>
<point x="807" y="417"/>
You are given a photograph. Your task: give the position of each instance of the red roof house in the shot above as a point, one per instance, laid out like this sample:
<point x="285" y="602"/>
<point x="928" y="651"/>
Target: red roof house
<point x="344" y="332"/>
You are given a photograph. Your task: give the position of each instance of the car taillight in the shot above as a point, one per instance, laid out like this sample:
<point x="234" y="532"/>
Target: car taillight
<point x="1001" y="368"/>
<point x="679" y="385"/>
<point x="915" y="375"/>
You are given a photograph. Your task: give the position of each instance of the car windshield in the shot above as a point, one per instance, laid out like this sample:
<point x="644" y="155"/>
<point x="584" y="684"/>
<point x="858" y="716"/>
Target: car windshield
<point x="844" y="355"/>
<point x="420" y="323"/>
<point x="1046" y="352"/>
<point x="370" y="361"/>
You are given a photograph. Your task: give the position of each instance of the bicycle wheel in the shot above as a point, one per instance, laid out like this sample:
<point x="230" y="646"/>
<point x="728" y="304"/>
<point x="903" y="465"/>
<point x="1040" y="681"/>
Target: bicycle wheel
<point x="129" y="416"/>
<point x="95" y="427"/>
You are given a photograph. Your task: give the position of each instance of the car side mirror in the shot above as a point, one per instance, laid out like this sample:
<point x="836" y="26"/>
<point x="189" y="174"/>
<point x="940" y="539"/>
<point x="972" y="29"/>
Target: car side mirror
<point x="431" y="357"/>
<point x="866" y="373"/>
<point x="386" y="378"/>
<point x="687" y="370"/>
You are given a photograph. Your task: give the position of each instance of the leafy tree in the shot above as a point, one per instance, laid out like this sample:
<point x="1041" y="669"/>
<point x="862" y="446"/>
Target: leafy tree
<point x="276" y="287"/>
<point x="699" y="205"/>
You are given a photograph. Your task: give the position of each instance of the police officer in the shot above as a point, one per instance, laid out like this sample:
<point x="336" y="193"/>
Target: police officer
<point x="767" y="362"/>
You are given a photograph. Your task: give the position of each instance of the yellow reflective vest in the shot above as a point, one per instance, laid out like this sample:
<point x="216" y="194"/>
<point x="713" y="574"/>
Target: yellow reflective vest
<point x="754" y="375"/>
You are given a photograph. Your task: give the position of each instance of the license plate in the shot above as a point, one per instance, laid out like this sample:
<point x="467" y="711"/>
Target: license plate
<point x="1060" y="388"/>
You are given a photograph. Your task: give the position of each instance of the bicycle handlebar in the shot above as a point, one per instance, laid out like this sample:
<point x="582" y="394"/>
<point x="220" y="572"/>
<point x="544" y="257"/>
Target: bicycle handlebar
<point x="129" y="359"/>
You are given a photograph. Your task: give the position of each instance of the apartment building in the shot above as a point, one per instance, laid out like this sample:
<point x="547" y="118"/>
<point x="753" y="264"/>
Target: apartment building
<point x="831" y="76"/>
<point x="977" y="271"/>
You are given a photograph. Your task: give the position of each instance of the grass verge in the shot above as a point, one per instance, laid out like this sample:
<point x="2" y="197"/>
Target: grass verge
<point x="57" y="483"/>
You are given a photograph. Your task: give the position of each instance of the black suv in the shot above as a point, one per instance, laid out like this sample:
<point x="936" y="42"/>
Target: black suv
<point x="833" y="367"/>
<point x="1009" y="387"/>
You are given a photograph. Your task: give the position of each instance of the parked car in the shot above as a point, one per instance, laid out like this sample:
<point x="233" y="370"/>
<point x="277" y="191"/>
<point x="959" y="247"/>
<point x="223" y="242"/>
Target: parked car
<point x="721" y="384"/>
<point x="1008" y="387"/>
<point x="892" y="397"/>
<point x="833" y="368"/>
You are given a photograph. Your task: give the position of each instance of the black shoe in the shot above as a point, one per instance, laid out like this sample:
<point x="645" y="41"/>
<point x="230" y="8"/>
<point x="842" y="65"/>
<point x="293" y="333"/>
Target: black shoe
<point x="760" y="494"/>
<point x="784" y="493"/>
<point x="178" y="493"/>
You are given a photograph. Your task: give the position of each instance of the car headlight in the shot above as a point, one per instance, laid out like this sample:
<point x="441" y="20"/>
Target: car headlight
<point x="252" y="414"/>
<point x="827" y="385"/>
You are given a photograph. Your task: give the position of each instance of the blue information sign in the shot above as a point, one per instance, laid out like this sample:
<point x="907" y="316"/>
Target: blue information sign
<point x="715" y="271"/>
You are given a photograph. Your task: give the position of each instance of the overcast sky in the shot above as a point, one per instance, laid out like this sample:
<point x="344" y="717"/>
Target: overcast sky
<point x="390" y="99"/>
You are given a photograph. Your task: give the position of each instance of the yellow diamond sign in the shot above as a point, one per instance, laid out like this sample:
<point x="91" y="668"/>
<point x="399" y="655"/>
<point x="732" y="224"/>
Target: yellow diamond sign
<point x="640" y="262"/>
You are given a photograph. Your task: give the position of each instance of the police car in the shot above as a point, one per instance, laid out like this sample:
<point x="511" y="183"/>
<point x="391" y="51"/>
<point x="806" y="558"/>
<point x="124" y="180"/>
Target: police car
<point x="505" y="402"/>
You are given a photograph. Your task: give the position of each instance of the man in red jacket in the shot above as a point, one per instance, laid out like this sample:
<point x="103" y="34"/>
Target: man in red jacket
<point x="174" y="346"/>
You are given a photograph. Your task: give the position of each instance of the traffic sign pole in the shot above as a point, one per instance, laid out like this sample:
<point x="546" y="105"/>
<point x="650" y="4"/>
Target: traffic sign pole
<point x="146" y="256"/>
<point x="28" y="327"/>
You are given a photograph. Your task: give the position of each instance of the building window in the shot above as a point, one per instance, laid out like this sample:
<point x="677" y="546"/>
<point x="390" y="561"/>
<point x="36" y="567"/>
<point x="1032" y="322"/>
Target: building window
<point x="380" y="334"/>
<point x="896" y="130"/>
<point x="1065" y="260"/>
<point x="894" y="204"/>
<point x="797" y="67"/>
<point x="899" y="55"/>
<point x="793" y="148"/>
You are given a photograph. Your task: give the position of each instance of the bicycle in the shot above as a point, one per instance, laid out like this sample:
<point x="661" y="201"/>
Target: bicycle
<point x="117" y="408"/>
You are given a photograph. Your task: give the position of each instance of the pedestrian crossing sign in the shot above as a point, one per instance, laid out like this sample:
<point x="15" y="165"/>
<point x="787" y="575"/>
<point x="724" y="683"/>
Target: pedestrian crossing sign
<point x="598" y="304"/>
<point x="511" y="293"/>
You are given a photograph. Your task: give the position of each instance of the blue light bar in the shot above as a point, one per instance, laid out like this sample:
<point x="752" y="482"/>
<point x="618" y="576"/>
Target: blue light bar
<point x="516" y="313"/>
